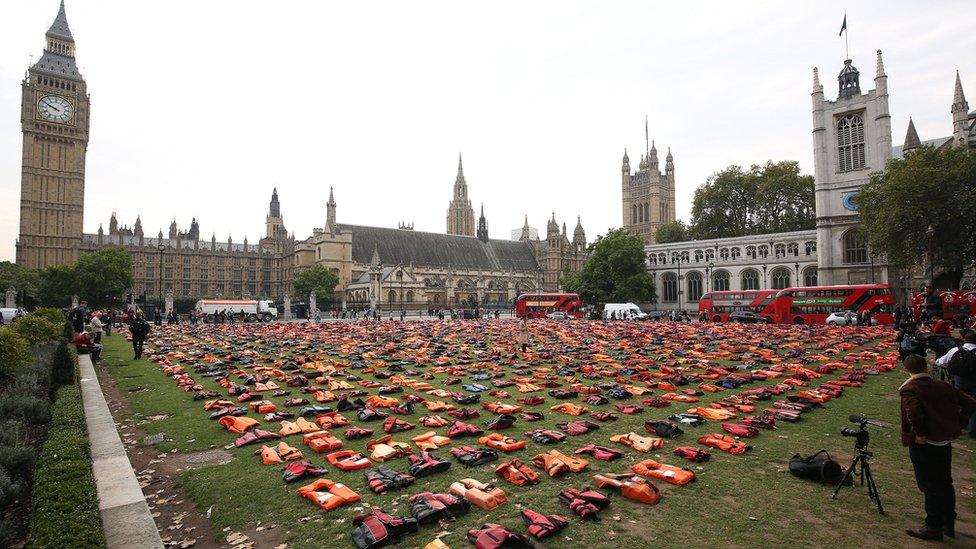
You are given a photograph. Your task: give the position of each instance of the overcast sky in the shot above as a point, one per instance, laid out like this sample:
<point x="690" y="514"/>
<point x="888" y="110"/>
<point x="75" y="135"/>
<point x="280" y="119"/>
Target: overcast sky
<point x="200" y="108"/>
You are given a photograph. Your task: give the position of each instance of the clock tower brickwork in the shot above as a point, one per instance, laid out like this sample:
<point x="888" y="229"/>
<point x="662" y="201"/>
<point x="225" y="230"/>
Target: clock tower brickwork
<point x="54" y="120"/>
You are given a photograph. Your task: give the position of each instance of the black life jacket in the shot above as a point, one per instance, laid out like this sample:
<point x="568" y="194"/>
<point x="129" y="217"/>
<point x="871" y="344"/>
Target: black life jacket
<point x="503" y="421"/>
<point x="383" y="480"/>
<point x="428" y="507"/>
<point x="369" y="413"/>
<point x="353" y="433"/>
<point x="379" y="529"/>
<point x="426" y="464"/>
<point x="663" y="429"/>
<point x="298" y="470"/>
<point x="545" y="436"/>
<point x="473" y="457"/>
<point x="541" y="526"/>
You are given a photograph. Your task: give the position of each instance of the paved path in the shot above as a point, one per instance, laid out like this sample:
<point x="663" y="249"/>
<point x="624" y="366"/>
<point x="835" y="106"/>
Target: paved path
<point x="125" y="515"/>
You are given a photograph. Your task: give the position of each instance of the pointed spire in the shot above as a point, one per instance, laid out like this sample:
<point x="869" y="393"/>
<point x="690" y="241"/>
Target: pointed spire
<point x="958" y="97"/>
<point x="911" y="138"/>
<point x="331" y="197"/>
<point x="526" y="225"/>
<point x="375" y="261"/>
<point x="881" y="72"/>
<point x="646" y="134"/>
<point x="817" y="87"/>
<point x="669" y="157"/>
<point x="59" y="28"/>
<point x="460" y="167"/>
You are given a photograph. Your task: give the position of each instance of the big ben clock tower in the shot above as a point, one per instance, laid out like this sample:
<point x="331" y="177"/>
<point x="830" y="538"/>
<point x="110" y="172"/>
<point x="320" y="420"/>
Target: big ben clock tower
<point x="54" y="120"/>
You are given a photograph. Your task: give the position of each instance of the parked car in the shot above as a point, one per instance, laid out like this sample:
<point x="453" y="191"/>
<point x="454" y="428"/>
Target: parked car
<point x="748" y="317"/>
<point x="558" y="315"/>
<point x="657" y="315"/>
<point x="840" y="318"/>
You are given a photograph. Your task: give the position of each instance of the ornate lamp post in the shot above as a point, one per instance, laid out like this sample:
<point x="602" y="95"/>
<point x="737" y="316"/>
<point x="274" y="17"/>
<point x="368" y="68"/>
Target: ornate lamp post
<point x="796" y="269"/>
<point x="708" y="275"/>
<point x="161" y="247"/>
<point x="679" y="258"/>
<point x="930" y="233"/>
<point x="764" y="276"/>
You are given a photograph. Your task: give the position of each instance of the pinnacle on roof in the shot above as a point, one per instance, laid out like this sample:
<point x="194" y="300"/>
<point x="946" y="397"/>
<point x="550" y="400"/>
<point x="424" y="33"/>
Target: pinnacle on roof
<point x="375" y="261"/>
<point x="848" y="81"/>
<point x="911" y="138"/>
<point x="460" y="166"/>
<point x="880" y="72"/>
<point x="59" y="28"/>
<point x="579" y="225"/>
<point x="669" y="157"/>
<point x="817" y="87"/>
<point x="331" y="197"/>
<point x="526" y="225"/>
<point x="958" y="97"/>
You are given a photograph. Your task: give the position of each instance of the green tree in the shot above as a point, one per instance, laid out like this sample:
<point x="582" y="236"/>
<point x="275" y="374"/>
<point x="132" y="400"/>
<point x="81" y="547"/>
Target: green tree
<point x="24" y="280"/>
<point x="615" y="271"/>
<point x="672" y="231"/>
<point x="929" y="188"/>
<point x="770" y="198"/>
<point x="317" y="279"/>
<point x="103" y="276"/>
<point x="56" y="285"/>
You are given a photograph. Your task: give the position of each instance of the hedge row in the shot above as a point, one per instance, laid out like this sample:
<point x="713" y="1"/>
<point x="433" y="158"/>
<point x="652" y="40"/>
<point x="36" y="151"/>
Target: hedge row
<point x="65" y="502"/>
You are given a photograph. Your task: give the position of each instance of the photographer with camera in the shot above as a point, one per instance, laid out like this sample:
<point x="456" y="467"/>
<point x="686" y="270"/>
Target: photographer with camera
<point x="960" y="364"/>
<point x="931" y="415"/>
<point x="910" y="341"/>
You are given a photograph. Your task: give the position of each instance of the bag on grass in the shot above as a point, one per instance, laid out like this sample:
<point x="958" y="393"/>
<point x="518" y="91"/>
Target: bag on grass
<point x="819" y="468"/>
<point x="379" y="529"/>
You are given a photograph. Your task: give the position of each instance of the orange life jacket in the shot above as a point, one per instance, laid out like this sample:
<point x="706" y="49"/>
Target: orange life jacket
<point x="483" y="495"/>
<point x="714" y="414"/>
<point x="385" y="448"/>
<point x="381" y="402"/>
<point x="324" y="396"/>
<point x="433" y="421"/>
<point x="517" y="473"/>
<point x="723" y="442"/>
<point x="322" y="441"/>
<point x="438" y="406"/>
<point x="430" y="441"/>
<point x="331" y="419"/>
<point x="555" y="463"/>
<point x="660" y="471"/>
<point x="289" y="428"/>
<point x="214" y="404"/>
<point x="630" y="486"/>
<point x="328" y="494"/>
<point x="237" y="424"/>
<point x="501" y="408"/>
<point x="569" y="408"/>
<point x="501" y="442"/>
<point x="278" y="453"/>
<point x="306" y="426"/>
<point x="348" y="460"/>
<point x="639" y="443"/>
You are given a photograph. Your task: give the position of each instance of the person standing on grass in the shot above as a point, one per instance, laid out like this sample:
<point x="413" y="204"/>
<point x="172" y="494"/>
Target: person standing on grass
<point x="140" y="329"/>
<point x="77" y="316"/>
<point x="961" y="365"/>
<point x="523" y="335"/>
<point x="97" y="327"/>
<point x="931" y="415"/>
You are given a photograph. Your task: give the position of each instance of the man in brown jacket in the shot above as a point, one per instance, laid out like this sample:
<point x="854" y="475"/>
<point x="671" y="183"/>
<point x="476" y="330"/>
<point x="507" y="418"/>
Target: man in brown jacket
<point x="932" y="415"/>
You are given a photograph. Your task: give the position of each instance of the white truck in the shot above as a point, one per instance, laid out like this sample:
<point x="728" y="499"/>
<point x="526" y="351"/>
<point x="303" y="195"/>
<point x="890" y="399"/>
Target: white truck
<point x="623" y="311"/>
<point x="263" y="310"/>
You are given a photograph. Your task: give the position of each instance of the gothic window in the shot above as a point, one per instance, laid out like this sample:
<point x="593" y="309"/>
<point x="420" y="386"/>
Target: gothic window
<point x="669" y="287"/>
<point x="724" y="254"/>
<point x="855" y="249"/>
<point x="699" y="255"/>
<point x="736" y="253"/>
<point x="750" y="279"/>
<point x="684" y="256"/>
<point x="662" y="258"/>
<point x="780" y="250"/>
<point x="850" y="143"/>
<point x="720" y="281"/>
<point x="634" y="218"/>
<point x="391" y="297"/>
<point x="810" y="247"/>
<point x="751" y="252"/>
<point x="810" y="276"/>
<point x="694" y="286"/>
<point x="780" y="278"/>
<point x="764" y="250"/>
<point x="793" y="249"/>
<point x="409" y="296"/>
<point x="710" y="255"/>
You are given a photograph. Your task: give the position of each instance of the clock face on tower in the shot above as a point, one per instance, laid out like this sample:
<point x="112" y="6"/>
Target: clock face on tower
<point x="55" y="109"/>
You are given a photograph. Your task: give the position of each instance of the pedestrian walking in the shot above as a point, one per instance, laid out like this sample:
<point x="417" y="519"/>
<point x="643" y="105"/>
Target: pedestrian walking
<point x="140" y="329"/>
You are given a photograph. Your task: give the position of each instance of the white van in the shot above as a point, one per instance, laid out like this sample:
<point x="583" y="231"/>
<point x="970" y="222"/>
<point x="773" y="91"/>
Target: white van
<point x="623" y="311"/>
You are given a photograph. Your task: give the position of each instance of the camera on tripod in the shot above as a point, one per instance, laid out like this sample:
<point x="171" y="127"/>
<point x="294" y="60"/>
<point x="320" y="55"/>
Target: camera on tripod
<point x="861" y="435"/>
<point x="861" y="438"/>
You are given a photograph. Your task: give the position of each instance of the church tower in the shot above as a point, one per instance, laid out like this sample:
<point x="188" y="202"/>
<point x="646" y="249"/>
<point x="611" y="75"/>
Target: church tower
<point x="460" y="214"/>
<point x="482" y="226"/>
<point x="274" y="226"/>
<point x="54" y="120"/>
<point x="851" y="139"/>
<point x="647" y="196"/>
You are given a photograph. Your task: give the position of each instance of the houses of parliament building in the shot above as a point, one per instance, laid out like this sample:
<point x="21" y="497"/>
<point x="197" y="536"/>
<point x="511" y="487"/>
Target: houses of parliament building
<point x="375" y="265"/>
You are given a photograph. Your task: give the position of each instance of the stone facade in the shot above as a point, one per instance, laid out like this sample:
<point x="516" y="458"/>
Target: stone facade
<point x="648" y="194"/>
<point x="460" y="214"/>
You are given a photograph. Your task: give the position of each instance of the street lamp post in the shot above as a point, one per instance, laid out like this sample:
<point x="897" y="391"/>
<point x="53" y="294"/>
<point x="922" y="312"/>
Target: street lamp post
<point x="764" y="276"/>
<point x="161" y="247"/>
<point x="796" y="270"/>
<point x="930" y="233"/>
<point x="679" y="257"/>
<point x="708" y="276"/>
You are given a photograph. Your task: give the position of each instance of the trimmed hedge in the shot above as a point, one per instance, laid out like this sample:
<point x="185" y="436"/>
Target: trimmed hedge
<point x="65" y="502"/>
<point x="14" y="352"/>
<point x="36" y="329"/>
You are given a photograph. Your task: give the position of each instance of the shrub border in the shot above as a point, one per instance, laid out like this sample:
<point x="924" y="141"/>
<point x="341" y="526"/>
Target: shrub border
<point x="65" y="502"/>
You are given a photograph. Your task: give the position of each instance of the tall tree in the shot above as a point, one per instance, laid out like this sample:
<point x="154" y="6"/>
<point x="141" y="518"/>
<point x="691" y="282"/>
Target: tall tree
<point x="928" y="189"/>
<point x="56" y="285"/>
<point x="24" y="280"/>
<point x="615" y="271"/>
<point x="672" y="231"/>
<point x="103" y="276"/>
<point x="770" y="198"/>
<point x="317" y="279"/>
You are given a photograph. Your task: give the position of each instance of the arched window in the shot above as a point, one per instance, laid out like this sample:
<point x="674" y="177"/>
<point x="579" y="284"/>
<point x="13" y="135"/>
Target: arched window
<point x="720" y="281"/>
<point x="391" y="297"/>
<point x="710" y="254"/>
<point x="694" y="279"/>
<point x="699" y="255"/>
<point x="780" y="278"/>
<point x="669" y="287"/>
<point x="409" y="296"/>
<point x="855" y="249"/>
<point x="810" y="247"/>
<point x="810" y="276"/>
<point x="662" y="258"/>
<point x="633" y="215"/>
<point x="793" y="249"/>
<point x="736" y="253"/>
<point x="647" y="212"/>
<point x="750" y="279"/>
<point x="764" y="250"/>
<point x="685" y="256"/>
<point x="724" y="254"/>
<point x="850" y="143"/>
<point x="751" y="252"/>
<point x="780" y="250"/>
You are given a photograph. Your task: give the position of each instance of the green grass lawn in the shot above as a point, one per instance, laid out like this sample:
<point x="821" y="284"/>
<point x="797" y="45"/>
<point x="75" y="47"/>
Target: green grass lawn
<point x="748" y="500"/>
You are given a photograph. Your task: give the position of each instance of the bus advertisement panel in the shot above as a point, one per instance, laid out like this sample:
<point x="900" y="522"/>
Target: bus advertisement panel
<point x="540" y="305"/>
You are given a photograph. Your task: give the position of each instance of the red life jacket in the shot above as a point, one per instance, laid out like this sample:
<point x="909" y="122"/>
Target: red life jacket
<point x="379" y="529"/>
<point x="542" y="526"/>
<point x="692" y="453"/>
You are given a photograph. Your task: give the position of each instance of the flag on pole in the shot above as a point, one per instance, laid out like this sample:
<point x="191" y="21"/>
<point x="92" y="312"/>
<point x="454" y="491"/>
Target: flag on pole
<point x="843" y="27"/>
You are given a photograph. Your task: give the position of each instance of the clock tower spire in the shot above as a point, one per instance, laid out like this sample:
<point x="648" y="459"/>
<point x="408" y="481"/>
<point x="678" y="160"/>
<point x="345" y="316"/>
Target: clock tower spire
<point x="54" y="121"/>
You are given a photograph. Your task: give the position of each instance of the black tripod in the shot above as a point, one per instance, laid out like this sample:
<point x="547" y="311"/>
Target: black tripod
<point x="863" y="456"/>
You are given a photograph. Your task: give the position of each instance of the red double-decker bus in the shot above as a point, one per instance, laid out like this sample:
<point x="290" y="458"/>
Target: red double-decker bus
<point x="540" y="305"/>
<point x="956" y="304"/>
<point x="718" y="305"/>
<point x="813" y="304"/>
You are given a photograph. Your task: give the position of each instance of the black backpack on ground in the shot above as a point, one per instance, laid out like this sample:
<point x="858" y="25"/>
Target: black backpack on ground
<point x="379" y="529"/>
<point x="963" y="363"/>
<point x="819" y="468"/>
